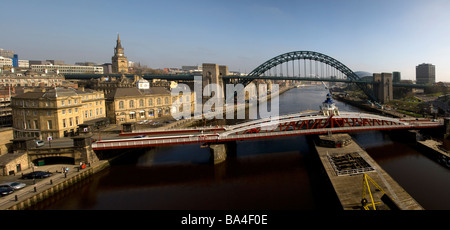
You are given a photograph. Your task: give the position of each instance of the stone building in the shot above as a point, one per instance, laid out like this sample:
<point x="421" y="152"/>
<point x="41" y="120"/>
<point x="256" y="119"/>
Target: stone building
<point x="16" y="77"/>
<point x="55" y="112"/>
<point x="132" y="104"/>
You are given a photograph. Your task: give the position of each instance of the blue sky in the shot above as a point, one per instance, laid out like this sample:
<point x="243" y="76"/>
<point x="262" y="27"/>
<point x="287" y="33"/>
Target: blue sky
<point x="373" y="36"/>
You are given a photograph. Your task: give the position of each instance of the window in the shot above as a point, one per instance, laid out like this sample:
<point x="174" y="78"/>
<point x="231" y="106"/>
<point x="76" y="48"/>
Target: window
<point x="131" y="104"/>
<point x="63" y="111"/>
<point x="62" y="103"/>
<point x="166" y="100"/>
<point x="120" y="104"/>
<point x="141" y="103"/>
<point x="49" y="124"/>
<point x="36" y="124"/>
<point x="70" y="111"/>
<point x="86" y="114"/>
<point x="64" y="123"/>
<point x="150" y="102"/>
<point x="76" y="121"/>
<point x="70" y="122"/>
<point x="158" y="101"/>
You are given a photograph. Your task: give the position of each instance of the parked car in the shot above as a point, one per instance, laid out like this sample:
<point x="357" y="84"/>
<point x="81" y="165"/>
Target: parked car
<point x="140" y="136"/>
<point x="15" y="185"/>
<point x="39" y="143"/>
<point x="6" y="190"/>
<point x="37" y="174"/>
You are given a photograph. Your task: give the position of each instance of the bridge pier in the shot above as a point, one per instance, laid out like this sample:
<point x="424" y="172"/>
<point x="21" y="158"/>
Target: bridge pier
<point x="447" y="128"/>
<point x="382" y="87"/>
<point x="82" y="144"/>
<point x="219" y="152"/>
<point x="212" y="75"/>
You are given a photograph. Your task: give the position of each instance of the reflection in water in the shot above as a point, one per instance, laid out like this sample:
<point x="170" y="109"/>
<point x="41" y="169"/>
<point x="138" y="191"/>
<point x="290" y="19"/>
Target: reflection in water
<point x="269" y="174"/>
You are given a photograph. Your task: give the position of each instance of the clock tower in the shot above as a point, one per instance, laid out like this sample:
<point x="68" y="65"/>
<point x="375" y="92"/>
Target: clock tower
<point x="119" y="61"/>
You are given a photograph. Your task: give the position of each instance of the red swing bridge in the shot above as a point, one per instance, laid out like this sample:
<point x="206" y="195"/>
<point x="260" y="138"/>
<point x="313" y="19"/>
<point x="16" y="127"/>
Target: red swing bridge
<point x="328" y="120"/>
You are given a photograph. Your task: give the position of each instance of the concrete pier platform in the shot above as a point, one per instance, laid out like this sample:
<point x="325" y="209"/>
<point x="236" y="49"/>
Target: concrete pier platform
<point x="436" y="150"/>
<point x="346" y="166"/>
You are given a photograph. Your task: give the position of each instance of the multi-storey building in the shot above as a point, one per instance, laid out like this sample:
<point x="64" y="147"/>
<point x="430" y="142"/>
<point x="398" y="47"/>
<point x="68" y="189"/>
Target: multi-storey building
<point x="425" y="74"/>
<point x="55" y="112"/>
<point x="6" y="53"/>
<point x="4" y="61"/>
<point x="142" y="102"/>
<point x="15" y="77"/>
<point x="68" y="69"/>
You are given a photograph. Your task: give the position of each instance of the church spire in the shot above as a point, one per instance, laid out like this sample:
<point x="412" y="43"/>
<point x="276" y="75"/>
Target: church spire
<point x="119" y="44"/>
<point x="119" y="61"/>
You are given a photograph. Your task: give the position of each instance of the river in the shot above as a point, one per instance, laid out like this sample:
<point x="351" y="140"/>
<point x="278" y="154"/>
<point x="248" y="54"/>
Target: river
<point x="270" y="174"/>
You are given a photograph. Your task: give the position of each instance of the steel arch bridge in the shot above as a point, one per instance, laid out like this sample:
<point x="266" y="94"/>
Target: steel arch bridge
<point x="350" y="76"/>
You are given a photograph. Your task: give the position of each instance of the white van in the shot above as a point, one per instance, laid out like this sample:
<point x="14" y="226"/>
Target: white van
<point x="39" y="143"/>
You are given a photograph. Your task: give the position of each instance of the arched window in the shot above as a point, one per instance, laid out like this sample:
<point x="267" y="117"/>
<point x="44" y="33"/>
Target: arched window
<point x="158" y="101"/>
<point x="141" y="103"/>
<point x="150" y="102"/>
<point x="131" y="104"/>
<point x="166" y="100"/>
<point x="120" y="104"/>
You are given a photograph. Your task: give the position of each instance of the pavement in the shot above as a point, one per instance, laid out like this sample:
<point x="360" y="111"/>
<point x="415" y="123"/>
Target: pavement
<point x="34" y="186"/>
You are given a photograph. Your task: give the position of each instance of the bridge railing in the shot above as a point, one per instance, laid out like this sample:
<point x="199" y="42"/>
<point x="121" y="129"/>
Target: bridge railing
<point x="128" y="143"/>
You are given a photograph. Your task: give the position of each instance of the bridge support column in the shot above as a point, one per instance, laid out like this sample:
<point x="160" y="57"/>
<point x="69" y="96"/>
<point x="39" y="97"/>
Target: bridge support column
<point x="447" y="128"/>
<point x="83" y="145"/>
<point x="219" y="152"/>
<point x="212" y="74"/>
<point x="383" y="89"/>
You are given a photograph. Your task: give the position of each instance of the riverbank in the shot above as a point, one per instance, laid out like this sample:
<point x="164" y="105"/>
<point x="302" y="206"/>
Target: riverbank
<point x="38" y="190"/>
<point x="370" y="108"/>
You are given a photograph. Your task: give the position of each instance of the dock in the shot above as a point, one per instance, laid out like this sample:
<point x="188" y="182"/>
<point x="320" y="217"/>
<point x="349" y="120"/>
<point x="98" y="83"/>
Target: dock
<point x="436" y="150"/>
<point x="357" y="179"/>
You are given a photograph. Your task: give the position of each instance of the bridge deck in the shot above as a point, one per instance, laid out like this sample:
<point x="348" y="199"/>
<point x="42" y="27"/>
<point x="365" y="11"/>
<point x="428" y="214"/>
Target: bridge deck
<point x="349" y="187"/>
<point x="306" y="123"/>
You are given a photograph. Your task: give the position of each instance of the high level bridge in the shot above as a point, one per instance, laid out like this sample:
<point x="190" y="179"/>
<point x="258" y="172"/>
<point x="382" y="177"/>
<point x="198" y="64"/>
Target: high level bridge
<point x="296" y="66"/>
